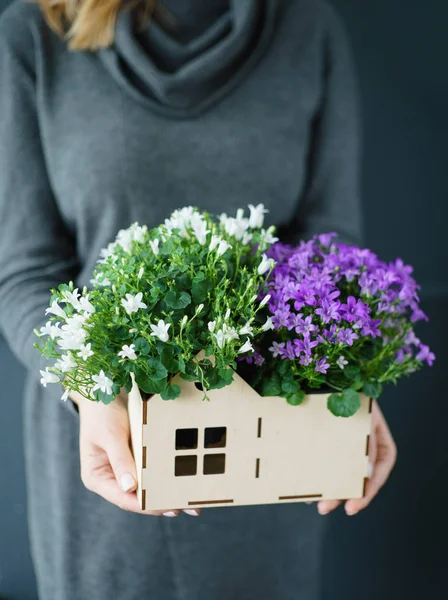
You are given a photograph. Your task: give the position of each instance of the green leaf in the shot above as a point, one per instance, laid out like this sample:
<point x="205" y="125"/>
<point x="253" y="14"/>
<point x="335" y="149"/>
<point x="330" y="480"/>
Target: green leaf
<point x="168" y="360"/>
<point x="200" y="289"/>
<point x="181" y="363"/>
<point x="290" y="386"/>
<point x="372" y="390"/>
<point x="184" y="281"/>
<point x="102" y="397"/>
<point x="226" y="375"/>
<point x="157" y="370"/>
<point x="272" y="386"/>
<point x="171" y="392"/>
<point x="177" y="300"/>
<point x="351" y="371"/>
<point x="296" y="398"/>
<point x="141" y="345"/>
<point x="357" y="385"/>
<point x="345" y="404"/>
<point x="148" y="385"/>
<point x="128" y="384"/>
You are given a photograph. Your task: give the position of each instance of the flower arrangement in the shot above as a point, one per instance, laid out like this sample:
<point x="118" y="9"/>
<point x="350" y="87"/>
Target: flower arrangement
<point x="159" y="297"/>
<point x="342" y="322"/>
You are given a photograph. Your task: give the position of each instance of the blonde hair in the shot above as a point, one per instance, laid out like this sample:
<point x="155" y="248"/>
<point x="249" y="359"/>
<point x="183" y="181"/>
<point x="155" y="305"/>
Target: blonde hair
<point x="90" y="24"/>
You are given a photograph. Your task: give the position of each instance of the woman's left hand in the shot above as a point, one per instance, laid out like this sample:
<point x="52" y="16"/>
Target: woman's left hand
<point x="382" y="457"/>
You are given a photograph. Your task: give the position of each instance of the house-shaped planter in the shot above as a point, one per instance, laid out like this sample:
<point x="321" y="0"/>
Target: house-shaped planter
<point x="241" y="448"/>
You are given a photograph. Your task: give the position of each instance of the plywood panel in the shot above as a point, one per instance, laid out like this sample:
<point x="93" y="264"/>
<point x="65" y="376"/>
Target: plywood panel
<point x="297" y="451"/>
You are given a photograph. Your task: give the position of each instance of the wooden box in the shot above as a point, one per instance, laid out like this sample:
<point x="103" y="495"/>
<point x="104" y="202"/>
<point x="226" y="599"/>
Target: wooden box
<point x="241" y="448"/>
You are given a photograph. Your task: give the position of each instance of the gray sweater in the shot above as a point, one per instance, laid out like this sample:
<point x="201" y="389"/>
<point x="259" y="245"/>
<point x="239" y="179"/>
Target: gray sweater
<point x="261" y="107"/>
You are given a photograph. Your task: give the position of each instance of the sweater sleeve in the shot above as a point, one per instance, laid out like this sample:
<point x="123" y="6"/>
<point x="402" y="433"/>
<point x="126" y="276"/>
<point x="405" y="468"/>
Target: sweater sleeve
<point x="330" y="200"/>
<point x="37" y="252"/>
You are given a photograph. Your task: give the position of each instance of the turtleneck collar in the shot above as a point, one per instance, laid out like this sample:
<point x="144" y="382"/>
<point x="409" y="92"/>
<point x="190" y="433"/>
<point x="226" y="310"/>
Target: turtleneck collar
<point x="181" y="80"/>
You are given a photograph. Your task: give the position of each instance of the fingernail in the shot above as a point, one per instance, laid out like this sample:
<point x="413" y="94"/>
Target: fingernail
<point x="351" y="511"/>
<point x="127" y="482"/>
<point x="170" y="514"/>
<point x="323" y="510"/>
<point x="369" y="470"/>
<point x="192" y="513"/>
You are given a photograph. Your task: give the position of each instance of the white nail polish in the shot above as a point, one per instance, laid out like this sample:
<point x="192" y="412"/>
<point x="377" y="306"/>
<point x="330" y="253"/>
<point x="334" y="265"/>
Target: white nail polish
<point x="369" y="470"/>
<point x="127" y="482"/>
<point x="170" y="514"/>
<point x="192" y="513"/>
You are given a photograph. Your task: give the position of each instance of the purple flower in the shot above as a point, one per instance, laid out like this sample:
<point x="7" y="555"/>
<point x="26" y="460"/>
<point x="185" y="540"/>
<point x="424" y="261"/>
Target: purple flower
<point x="426" y="355"/>
<point x="289" y="351"/>
<point x="306" y="359"/>
<point x="302" y="325"/>
<point x="329" y="311"/>
<point x="321" y="365"/>
<point x="325" y="238"/>
<point x="371" y="328"/>
<point x="258" y="359"/>
<point x="305" y="345"/>
<point x="347" y="336"/>
<point x="277" y="349"/>
<point x="354" y="309"/>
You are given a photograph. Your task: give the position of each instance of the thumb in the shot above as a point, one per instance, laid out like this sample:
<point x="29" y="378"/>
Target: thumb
<point x="122" y="462"/>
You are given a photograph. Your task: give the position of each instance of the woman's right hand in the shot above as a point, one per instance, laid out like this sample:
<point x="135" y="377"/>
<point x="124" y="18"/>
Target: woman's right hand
<point x="107" y="464"/>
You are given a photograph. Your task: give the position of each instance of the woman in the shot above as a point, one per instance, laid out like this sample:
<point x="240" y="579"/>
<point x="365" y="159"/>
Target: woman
<point x="130" y="115"/>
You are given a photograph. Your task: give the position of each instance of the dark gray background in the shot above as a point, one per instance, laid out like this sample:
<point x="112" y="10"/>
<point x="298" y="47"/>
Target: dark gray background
<point x="398" y="548"/>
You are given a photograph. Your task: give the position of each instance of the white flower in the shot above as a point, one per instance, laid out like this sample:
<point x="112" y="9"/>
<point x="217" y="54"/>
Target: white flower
<point x="268" y="325"/>
<point x="128" y="352"/>
<point x="214" y="242"/>
<point x="55" y="309"/>
<point x="124" y="239"/>
<point x="140" y="273"/>
<point x="256" y="218"/>
<point x="72" y="298"/>
<point x="265" y="265"/>
<point x="265" y="300"/>
<point x="155" y="246"/>
<point x="86" y="305"/>
<point x="199" y="226"/>
<point x="341" y="362"/>
<point x="72" y="334"/>
<point x="133" y="303"/>
<point x="103" y="383"/>
<point x="65" y="363"/>
<point x="227" y="315"/>
<point x="211" y="326"/>
<point x="266" y="238"/>
<point x="64" y="396"/>
<point x="184" y="320"/>
<point x="52" y="330"/>
<point x="246" y="330"/>
<point x="48" y="377"/>
<point x="161" y="330"/>
<point x="253" y="299"/>
<point x="220" y="338"/>
<point x="247" y="347"/>
<point x="85" y="351"/>
<point x="223" y="247"/>
<point x="247" y="238"/>
<point x="138" y="232"/>
<point x="199" y="308"/>
<point x="106" y="252"/>
<point x="230" y="333"/>
<point x="236" y="227"/>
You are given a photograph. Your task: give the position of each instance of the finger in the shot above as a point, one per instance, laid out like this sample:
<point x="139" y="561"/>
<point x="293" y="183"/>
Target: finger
<point x="117" y="446"/>
<point x="192" y="512"/>
<point x="326" y="506"/>
<point x="386" y="454"/>
<point x="108" y="489"/>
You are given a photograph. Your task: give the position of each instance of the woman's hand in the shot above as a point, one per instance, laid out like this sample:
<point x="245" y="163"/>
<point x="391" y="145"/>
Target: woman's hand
<point x="107" y="463"/>
<point x="382" y="456"/>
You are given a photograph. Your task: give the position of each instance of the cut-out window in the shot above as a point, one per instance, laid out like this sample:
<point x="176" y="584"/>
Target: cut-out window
<point x="186" y="465"/>
<point x="215" y="437"/>
<point x="214" y="464"/>
<point x="186" y="439"/>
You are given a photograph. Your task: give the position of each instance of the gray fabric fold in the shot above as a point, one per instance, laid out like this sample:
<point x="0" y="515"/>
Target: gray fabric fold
<point x="183" y="80"/>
